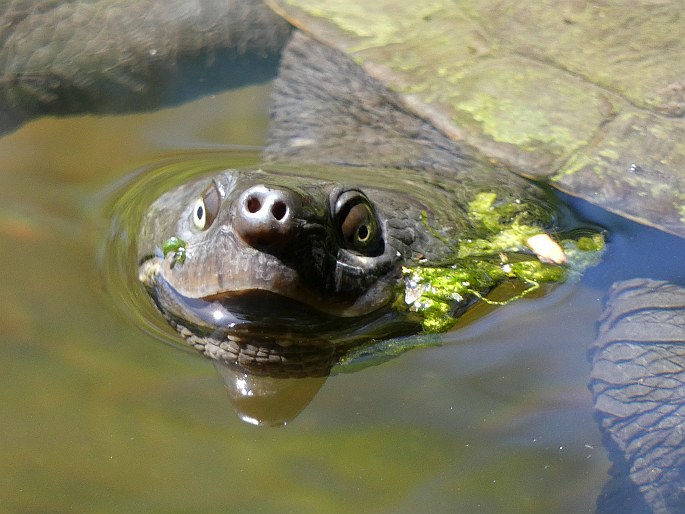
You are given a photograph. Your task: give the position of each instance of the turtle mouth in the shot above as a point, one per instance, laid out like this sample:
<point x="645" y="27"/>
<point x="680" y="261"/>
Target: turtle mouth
<point x="260" y="306"/>
<point x="253" y="312"/>
<point x="259" y="314"/>
<point x="263" y="308"/>
<point x="264" y="332"/>
<point x="231" y="309"/>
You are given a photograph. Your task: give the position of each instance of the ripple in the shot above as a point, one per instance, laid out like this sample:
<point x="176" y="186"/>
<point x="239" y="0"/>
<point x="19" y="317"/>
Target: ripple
<point x="126" y="204"/>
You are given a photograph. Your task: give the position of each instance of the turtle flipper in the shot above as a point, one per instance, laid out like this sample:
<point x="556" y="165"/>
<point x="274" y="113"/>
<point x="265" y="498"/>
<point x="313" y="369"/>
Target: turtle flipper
<point x="638" y="387"/>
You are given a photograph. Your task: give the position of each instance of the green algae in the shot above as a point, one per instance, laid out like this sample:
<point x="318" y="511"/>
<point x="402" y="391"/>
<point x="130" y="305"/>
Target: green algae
<point x="480" y="264"/>
<point x="377" y="352"/>
<point x="506" y="225"/>
<point x="518" y="119"/>
<point x="177" y="247"/>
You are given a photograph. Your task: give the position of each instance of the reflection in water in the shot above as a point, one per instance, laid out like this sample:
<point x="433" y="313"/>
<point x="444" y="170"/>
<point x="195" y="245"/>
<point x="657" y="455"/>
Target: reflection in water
<point x="268" y="401"/>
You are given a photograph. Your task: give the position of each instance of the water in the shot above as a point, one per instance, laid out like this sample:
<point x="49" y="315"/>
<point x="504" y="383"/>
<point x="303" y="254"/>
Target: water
<point x="96" y="415"/>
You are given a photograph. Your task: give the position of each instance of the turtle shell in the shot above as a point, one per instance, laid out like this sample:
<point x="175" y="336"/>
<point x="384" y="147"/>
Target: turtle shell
<point x="589" y="97"/>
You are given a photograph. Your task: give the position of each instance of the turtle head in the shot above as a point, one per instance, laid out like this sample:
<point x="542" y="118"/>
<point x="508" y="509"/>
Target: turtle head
<point x="288" y="259"/>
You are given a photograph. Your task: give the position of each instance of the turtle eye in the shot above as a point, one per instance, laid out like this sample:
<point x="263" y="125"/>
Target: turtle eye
<point x="206" y="207"/>
<point x="358" y="225"/>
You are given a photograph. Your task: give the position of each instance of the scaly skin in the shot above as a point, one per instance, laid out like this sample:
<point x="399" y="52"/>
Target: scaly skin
<point x="638" y="385"/>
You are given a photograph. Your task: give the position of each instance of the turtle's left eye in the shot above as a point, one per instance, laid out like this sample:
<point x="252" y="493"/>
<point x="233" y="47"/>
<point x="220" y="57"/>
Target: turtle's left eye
<point x="206" y="208"/>
<point x="358" y="225"/>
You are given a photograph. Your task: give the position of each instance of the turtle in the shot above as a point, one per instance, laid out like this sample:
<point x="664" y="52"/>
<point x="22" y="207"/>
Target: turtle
<point x="588" y="98"/>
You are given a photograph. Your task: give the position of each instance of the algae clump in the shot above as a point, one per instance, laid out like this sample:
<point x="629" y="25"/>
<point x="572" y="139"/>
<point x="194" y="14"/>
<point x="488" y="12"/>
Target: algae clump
<point x="498" y="254"/>
<point x="177" y="247"/>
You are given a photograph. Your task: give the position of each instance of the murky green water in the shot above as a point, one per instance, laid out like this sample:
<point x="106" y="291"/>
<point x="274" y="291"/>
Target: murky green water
<point x="97" y="415"/>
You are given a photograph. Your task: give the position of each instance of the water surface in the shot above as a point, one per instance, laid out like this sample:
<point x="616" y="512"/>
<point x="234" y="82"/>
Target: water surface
<point x="97" y="415"/>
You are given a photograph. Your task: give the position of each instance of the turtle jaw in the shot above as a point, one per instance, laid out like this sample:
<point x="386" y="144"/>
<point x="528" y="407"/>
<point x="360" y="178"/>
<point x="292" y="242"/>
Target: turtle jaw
<point x="229" y="310"/>
<point x="265" y="333"/>
<point x="347" y="286"/>
<point x="256" y="312"/>
<point x="256" y="332"/>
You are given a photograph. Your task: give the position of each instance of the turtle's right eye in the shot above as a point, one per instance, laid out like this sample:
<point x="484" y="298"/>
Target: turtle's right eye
<point x="206" y="208"/>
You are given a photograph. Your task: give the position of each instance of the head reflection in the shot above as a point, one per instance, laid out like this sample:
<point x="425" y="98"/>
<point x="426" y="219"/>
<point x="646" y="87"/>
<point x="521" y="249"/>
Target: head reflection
<point x="268" y="401"/>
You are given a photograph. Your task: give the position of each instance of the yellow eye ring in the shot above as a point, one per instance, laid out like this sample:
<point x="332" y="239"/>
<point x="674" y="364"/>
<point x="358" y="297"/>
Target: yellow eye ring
<point x="363" y="233"/>
<point x="200" y="214"/>
<point x="206" y="208"/>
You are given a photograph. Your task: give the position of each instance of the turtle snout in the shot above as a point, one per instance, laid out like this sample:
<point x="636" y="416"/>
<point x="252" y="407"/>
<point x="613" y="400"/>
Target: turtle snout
<point x="264" y="217"/>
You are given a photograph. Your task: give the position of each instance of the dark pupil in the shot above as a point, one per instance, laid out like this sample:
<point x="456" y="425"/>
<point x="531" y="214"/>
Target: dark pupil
<point x="200" y="212"/>
<point x="363" y="233"/>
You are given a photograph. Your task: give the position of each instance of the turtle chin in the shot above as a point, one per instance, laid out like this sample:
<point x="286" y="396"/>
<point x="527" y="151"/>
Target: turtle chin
<point x="264" y="356"/>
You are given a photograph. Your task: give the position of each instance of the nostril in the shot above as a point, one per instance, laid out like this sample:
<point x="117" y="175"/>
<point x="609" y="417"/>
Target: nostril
<point x="279" y="209"/>
<point x="264" y="217"/>
<point x="253" y="204"/>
